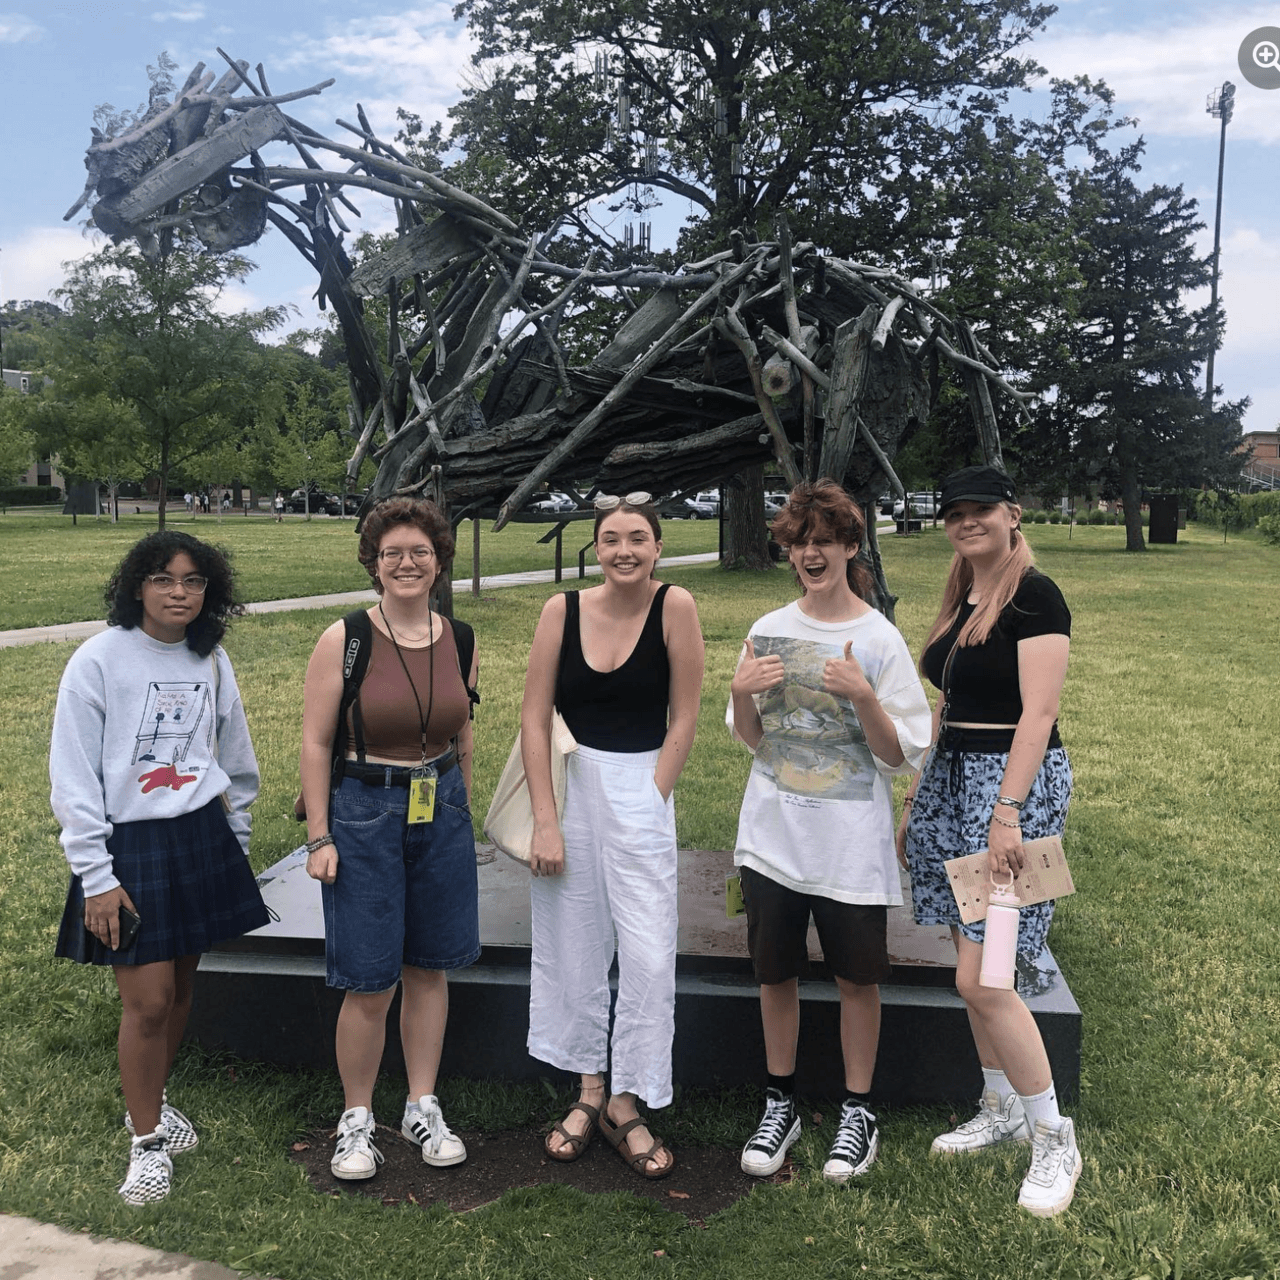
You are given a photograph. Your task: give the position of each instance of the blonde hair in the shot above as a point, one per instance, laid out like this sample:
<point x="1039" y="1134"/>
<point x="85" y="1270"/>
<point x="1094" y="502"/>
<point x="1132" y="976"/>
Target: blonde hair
<point x="1013" y="568"/>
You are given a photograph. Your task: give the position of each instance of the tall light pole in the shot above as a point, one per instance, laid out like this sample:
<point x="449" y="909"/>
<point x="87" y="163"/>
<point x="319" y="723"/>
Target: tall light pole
<point x="1220" y="104"/>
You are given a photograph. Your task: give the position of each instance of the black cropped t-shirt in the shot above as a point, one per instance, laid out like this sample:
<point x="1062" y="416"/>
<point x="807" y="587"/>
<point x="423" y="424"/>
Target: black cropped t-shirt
<point x="984" y="678"/>
<point x="620" y="710"/>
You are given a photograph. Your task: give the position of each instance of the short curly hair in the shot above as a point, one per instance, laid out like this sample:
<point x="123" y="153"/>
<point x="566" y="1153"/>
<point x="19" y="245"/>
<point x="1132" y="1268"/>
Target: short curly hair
<point x="821" y="508"/>
<point x="418" y="512"/>
<point x="151" y="554"/>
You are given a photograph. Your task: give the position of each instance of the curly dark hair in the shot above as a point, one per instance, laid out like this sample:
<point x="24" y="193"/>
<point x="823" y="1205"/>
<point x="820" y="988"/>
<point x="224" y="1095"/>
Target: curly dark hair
<point x="419" y="512"/>
<point x="822" y="509"/>
<point x="151" y="554"/>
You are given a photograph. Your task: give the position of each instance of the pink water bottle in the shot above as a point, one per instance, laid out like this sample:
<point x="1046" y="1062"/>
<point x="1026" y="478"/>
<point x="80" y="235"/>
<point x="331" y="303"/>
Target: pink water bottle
<point x="1000" y="946"/>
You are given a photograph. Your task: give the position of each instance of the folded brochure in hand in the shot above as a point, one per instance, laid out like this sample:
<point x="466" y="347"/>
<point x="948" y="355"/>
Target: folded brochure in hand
<point x="1045" y="875"/>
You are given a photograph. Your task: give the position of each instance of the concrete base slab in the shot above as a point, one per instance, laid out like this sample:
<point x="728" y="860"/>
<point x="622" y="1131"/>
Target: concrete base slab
<point x="264" y="996"/>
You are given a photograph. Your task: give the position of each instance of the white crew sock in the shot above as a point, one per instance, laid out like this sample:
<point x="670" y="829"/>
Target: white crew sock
<point x="998" y="1083"/>
<point x="1042" y="1106"/>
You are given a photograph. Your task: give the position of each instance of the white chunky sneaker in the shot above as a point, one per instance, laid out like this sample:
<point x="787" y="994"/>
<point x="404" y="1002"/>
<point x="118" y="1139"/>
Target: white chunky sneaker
<point x="355" y="1157"/>
<point x="150" y="1170"/>
<point x="767" y="1148"/>
<point x="993" y="1125"/>
<point x="1050" y="1183"/>
<point x="182" y="1133"/>
<point x="857" y="1142"/>
<point x="424" y="1126"/>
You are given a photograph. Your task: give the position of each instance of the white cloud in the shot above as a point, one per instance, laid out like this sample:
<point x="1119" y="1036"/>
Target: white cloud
<point x="416" y="59"/>
<point x="1163" y="74"/>
<point x="31" y="262"/>
<point x="188" y="13"/>
<point x="17" y="28"/>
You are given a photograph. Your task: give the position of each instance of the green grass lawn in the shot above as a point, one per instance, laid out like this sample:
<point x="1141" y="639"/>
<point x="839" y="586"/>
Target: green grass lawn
<point x="1171" y="946"/>
<point x="273" y="561"/>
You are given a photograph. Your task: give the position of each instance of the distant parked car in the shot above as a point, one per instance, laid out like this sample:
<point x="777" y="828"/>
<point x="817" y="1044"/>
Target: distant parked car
<point x="773" y="503"/>
<point x="923" y="505"/>
<point x="712" y="499"/>
<point x="885" y="503"/>
<point x="318" y="503"/>
<point x="554" y="503"/>
<point x="695" y="509"/>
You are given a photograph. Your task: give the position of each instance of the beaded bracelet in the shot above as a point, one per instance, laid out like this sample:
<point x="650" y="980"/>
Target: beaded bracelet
<point x="1004" y="822"/>
<point x="1010" y="802"/>
<point x="318" y="843"/>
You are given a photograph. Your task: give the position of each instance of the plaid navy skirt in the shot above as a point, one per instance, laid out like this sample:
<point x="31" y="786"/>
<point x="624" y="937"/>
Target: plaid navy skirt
<point x="188" y="878"/>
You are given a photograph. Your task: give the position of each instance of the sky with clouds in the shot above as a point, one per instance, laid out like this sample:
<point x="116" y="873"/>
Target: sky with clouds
<point x="58" y="61"/>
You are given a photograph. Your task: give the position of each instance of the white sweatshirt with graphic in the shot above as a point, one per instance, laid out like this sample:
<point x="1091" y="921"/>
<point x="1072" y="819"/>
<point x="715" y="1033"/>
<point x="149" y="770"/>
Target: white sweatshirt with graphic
<point x="134" y="737"/>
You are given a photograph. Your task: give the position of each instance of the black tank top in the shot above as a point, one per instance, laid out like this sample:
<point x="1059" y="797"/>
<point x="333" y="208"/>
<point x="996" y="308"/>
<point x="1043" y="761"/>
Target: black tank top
<point x="620" y="710"/>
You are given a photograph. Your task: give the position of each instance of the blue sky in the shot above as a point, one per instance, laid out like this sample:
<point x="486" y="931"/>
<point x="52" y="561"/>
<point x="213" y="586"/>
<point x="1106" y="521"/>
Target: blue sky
<point x="58" y="61"/>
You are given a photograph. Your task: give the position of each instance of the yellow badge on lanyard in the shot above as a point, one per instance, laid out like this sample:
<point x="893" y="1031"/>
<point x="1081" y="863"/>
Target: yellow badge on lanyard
<point x="422" y="796"/>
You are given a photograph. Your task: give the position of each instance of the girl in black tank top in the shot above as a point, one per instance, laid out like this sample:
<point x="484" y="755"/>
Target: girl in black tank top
<point x="632" y="704"/>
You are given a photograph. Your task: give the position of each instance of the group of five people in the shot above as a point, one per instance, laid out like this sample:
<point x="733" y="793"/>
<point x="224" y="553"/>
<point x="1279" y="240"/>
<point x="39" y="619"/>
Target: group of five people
<point x="153" y="773"/>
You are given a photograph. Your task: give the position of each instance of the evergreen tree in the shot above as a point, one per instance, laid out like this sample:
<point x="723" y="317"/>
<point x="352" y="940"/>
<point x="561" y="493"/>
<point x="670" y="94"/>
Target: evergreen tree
<point x="1126" y="406"/>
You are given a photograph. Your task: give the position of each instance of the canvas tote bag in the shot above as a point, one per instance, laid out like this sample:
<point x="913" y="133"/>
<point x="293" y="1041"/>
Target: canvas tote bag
<point x="509" y="822"/>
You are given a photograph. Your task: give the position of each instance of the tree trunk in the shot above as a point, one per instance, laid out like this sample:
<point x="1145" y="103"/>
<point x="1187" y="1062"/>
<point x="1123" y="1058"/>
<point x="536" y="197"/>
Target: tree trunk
<point x="1131" y="496"/>
<point x="746" y="543"/>
<point x="164" y="482"/>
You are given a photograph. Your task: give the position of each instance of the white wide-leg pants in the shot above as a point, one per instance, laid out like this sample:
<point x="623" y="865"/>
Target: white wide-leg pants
<point x="619" y="875"/>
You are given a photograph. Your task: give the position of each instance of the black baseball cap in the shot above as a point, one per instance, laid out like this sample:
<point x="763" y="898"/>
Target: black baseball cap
<point x="977" y="484"/>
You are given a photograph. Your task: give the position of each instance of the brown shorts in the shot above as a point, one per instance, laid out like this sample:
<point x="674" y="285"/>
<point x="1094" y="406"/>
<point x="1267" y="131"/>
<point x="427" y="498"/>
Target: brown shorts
<point x="852" y="934"/>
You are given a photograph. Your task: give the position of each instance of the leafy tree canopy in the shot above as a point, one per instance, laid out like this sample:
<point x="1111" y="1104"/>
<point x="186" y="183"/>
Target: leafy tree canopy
<point x="151" y="334"/>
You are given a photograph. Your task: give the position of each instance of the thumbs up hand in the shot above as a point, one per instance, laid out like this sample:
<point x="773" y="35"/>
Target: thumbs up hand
<point x="844" y="676"/>
<point x="755" y="675"/>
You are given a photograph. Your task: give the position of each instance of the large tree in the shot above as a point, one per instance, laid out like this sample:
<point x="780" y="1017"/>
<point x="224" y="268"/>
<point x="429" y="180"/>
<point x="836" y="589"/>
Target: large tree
<point x="149" y="332"/>
<point x="847" y="113"/>
<point x="855" y="117"/>
<point x="1126" y="407"/>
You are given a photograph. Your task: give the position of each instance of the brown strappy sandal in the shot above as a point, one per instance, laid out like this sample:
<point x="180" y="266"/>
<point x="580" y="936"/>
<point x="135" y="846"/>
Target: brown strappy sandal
<point x="617" y="1138"/>
<point x="576" y="1142"/>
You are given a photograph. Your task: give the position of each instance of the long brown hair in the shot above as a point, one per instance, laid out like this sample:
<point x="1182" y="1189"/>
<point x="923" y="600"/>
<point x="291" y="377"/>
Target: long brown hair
<point x="1012" y="569"/>
<point x="821" y="508"/>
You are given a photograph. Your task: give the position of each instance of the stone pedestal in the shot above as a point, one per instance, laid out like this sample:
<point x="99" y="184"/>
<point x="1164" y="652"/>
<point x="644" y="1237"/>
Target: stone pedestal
<point x="264" y="996"/>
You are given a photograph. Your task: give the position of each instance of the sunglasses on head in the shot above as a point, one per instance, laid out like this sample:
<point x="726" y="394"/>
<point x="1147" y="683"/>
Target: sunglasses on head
<point x="607" y="501"/>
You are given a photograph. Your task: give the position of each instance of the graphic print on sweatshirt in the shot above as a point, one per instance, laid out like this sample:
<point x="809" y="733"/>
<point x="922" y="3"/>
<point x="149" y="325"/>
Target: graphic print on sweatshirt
<point x="813" y="744"/>
<point x="172" y="715"/>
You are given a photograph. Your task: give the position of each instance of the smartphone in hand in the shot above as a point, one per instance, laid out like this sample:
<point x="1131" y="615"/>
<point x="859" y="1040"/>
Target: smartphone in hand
<point x="130" y="923"/>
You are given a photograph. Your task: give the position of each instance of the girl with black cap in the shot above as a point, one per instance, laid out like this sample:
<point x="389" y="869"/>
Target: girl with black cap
<point x="998" y="775"/>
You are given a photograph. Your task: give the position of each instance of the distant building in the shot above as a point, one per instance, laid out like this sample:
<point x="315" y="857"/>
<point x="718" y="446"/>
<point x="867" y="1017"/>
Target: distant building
<point x="41" y="471"/>
<point x="1262" y="471"/>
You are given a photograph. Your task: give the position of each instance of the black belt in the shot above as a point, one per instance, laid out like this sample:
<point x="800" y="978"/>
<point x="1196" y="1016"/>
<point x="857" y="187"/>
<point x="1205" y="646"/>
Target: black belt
<point x="395" y="775"/>
<point x="956" y="743"/>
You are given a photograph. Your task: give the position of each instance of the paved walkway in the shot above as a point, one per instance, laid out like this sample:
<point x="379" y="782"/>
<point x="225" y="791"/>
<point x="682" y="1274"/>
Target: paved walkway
<point x="39" y="1251"/>
<point x="461" y="587"/>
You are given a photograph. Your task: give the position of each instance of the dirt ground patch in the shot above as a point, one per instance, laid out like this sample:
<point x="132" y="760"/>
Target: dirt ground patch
<point x="704" y="1181"/>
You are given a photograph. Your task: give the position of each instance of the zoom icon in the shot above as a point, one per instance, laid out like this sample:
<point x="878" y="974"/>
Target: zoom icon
<point x="1260" y="58"/>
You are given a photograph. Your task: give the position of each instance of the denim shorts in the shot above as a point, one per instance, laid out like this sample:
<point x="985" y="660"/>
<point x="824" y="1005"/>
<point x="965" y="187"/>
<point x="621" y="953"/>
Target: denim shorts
<point x="404" y="895"/>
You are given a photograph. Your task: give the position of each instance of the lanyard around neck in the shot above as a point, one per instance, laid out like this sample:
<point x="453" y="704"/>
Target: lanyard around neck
<point x="423" y="721"/>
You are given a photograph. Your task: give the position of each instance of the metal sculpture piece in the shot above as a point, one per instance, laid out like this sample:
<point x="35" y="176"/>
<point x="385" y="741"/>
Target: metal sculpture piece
<point x="765" y="352"/>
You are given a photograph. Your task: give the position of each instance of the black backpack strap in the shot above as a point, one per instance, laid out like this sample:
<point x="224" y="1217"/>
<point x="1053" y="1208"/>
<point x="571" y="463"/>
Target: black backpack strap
<point x="358" y="633"/>
<point x="464" y="641"/>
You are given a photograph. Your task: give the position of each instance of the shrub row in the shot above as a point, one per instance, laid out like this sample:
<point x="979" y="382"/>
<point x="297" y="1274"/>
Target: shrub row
<point x="29" y="495"/>
<point x="1096" y="516"/>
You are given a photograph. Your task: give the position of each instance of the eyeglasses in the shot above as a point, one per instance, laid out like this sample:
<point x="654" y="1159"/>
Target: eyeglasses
<point x="166" y="582"/>
<point x="419" y="555"/>
<point x="607" y="501"/>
